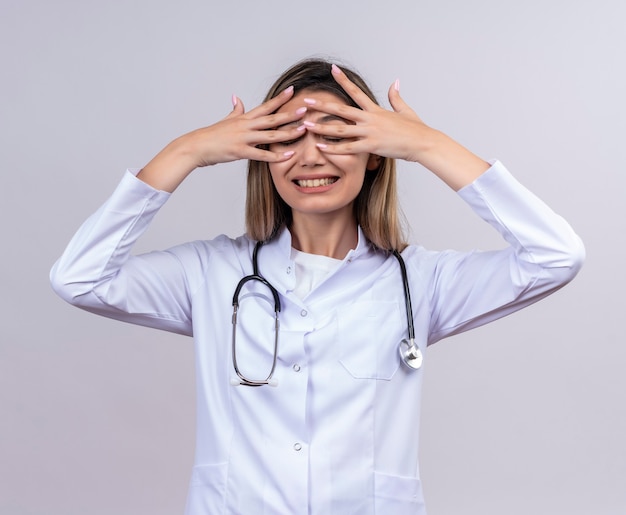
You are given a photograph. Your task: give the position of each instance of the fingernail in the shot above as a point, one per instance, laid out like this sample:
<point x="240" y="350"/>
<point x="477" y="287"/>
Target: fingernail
<point x="335" y="69"/>
<point x="308" y="123"/>
<point x="234" y="100"/>
<point x="309" y="101"/>
<point x="288" y="91"/>
<point x="396" y="85"/>
<point x="301" y="110"/>
<point x="300" y="128"/>
<point x="321" y="145"/>
<point x="289" y="153"/>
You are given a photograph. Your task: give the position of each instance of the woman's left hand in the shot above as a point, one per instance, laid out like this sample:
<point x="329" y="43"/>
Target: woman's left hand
<point x="376" y="130"/>
<point x="399" y="134"/>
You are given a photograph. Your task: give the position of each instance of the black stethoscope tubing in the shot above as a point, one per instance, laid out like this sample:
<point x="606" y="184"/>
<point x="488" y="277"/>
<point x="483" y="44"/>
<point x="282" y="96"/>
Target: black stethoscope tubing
<point x="408" y="349"/>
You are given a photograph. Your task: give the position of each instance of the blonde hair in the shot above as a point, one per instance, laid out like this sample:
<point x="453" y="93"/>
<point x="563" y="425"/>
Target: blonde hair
<point x="375" y="207"/>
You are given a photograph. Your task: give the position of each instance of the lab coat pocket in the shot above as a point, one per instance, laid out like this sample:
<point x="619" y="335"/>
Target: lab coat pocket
<point x="369" y="334"/>
<point x="398" y="495"/>
<point x="207" y="491"/>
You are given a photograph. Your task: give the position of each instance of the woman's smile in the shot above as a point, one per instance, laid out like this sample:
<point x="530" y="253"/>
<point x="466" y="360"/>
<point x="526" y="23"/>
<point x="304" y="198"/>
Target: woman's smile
<point x="315" y="183"/>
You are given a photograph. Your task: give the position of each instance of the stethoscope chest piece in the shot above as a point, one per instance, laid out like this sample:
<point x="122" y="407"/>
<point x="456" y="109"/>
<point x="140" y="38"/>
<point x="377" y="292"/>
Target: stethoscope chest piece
<point x="410" y="353"/>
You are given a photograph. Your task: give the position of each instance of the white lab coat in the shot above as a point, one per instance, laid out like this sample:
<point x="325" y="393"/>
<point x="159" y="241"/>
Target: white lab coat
<point x="339" y="434"/>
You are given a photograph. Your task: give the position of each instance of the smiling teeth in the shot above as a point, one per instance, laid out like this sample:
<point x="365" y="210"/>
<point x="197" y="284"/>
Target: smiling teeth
<point x="314" y="183"/>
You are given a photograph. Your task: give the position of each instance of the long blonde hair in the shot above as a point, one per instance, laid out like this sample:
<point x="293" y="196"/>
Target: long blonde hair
<point x="375" y="207"/>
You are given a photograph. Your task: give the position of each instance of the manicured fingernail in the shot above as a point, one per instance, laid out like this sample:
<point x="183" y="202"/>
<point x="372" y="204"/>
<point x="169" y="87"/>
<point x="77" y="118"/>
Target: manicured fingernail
<point x="335" y="69"/>
<point x="321" y="145"/>
<point x="289" y="153"/>
<point x="300" y="128"/>
<point x="288" y="91"/>
<point x="309" y="101"/>
<point x="301" y="110"/>
<point x="396" y="85"/>
<point x="234" y="100"/>
<point x="308" y="123"/>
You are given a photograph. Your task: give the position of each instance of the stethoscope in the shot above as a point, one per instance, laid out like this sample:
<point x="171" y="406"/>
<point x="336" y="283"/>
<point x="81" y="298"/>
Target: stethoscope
<point x="409" y="351"/>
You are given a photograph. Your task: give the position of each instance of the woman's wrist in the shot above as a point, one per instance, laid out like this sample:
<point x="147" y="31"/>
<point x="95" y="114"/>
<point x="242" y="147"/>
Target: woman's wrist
<point x="449" y="160"/>
<point x="170" y="167"/>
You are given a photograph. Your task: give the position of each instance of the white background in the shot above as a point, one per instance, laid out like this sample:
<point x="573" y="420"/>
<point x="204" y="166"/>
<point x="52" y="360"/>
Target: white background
<point x="525" y="416"/>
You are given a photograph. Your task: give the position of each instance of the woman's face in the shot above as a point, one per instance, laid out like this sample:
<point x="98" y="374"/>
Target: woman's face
<point x="312" y="182"/>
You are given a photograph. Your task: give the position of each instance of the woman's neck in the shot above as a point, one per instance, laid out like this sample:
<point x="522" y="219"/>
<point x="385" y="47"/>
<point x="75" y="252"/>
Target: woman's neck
<point x="324" y="235"/>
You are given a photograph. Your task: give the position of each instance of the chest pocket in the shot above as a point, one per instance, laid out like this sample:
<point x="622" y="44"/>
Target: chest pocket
<point x="369" y="333"/>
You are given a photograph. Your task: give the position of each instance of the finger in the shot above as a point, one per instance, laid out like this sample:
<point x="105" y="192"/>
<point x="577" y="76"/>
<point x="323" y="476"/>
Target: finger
<point x="351" y="147"/>
<point x="277" y="136"/>
<point x="396" y="101"/>
<point x="343" y="111"/>
<point x="272" y="104"/>
<point x="276" y="120"/>
<point x="336" y="130"/>
<point x="355" y="93"/>
<point x="259" y="154"/>
<point x="238" y="107"/>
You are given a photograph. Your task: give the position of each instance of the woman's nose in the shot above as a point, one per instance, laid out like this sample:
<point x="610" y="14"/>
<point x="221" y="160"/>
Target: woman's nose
<point x="309" y="153"/>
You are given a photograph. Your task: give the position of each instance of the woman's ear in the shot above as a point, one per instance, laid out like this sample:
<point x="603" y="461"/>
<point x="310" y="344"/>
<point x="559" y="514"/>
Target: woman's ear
<point x="373" y="162"/>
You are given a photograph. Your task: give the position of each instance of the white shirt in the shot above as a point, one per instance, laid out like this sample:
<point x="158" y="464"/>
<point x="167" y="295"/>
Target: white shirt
<point x="339" y="434"/>
<point x="311" y="270"/>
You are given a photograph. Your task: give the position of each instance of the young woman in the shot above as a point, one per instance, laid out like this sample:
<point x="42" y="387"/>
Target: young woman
<point x="309" y="344"/>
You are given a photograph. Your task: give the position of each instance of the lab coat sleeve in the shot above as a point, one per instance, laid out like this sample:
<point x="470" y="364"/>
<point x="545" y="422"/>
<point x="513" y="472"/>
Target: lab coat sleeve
<point x="97" y="272"/>
<point x="471" y="289"/>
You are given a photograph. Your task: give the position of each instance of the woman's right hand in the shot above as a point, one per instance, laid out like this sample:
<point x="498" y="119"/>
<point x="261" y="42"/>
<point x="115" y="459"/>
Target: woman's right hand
<point x="238" y="136"/>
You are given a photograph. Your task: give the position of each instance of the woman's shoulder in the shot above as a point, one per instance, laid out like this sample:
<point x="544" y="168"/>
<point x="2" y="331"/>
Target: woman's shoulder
<point x="202" y="258"/>
<point x="428" y="263"/>
<point x="219" y="245"/>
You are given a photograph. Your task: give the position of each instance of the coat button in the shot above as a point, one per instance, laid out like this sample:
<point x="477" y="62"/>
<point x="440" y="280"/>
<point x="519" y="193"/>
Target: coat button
<point x="297" y="446"/>
<point x="303" y="313"/>
<point x="296" y="367"/>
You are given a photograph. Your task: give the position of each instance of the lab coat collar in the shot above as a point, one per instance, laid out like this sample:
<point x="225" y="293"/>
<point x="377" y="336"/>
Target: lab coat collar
<point x="276" y="265"/>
